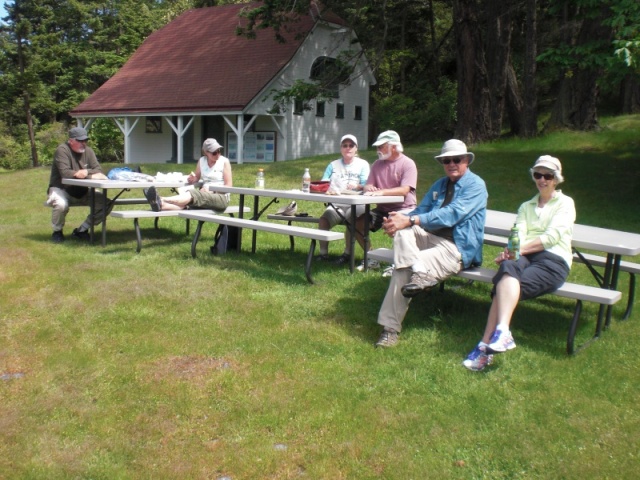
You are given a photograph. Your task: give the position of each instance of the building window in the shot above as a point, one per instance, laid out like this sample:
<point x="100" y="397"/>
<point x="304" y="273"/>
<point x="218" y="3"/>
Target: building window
<point x="319" y="109"/>
<point x="340" y="110"/>
<point x="298" y="107"/>
<point x="329" y="73"/>
<point x="153" y="125"/>
<point x="357" y="114"/>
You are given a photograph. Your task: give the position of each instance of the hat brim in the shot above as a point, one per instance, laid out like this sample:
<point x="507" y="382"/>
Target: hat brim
<point x="471" y="156"/>
<point x="547" y="165"/>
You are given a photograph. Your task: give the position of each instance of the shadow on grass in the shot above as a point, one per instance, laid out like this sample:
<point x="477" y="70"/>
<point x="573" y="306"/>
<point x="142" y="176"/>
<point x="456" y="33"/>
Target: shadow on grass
<point x="458" y="314"/>
<point x="150" y="237"/>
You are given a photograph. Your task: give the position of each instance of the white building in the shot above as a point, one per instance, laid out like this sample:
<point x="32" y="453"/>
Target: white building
<point x="195" y="78"/>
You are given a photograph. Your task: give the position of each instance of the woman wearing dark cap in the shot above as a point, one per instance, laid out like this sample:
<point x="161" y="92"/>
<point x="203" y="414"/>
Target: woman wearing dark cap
<point x="545" y="228"/>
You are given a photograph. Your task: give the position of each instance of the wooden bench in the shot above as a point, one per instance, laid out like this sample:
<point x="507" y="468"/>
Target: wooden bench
<point x="574" y="291"/>
<point x="292" y="218"/>
<point x="312" y="234"/>
<point x="138" y="214"/>
<point x="589" y="260"/>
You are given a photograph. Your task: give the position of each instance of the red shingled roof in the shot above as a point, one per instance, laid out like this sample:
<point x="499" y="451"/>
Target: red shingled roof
<point x="197" y="63"/>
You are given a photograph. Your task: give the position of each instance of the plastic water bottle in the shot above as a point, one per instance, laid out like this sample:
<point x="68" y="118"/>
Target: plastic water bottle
<point x="513" y="244"/>
<point x="306" y="181"/>
<point x="260" y="179"/>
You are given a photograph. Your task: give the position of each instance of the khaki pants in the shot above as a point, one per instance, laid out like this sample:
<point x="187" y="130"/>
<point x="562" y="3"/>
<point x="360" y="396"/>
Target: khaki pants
<point x="60" y="201"/>
<point x="411" y="245"/>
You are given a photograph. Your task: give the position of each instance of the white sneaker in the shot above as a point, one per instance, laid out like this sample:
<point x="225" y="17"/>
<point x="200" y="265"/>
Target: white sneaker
<point x="501" y="342"/>
<point x="371" y="265"/>
<point x="387" y="272"/>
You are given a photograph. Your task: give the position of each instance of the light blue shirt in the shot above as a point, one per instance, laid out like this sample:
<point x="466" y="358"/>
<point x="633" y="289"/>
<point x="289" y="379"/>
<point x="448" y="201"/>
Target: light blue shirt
<point x="465" y="214"/>
<point x="352" y="174"/>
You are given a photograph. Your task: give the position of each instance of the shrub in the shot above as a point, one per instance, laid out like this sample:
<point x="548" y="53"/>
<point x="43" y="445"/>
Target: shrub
<point x="13" y="156"/>
<point x="47" y="140"/>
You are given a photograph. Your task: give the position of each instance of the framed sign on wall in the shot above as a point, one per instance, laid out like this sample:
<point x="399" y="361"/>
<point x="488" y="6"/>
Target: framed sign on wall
<point x="258" y="147"/>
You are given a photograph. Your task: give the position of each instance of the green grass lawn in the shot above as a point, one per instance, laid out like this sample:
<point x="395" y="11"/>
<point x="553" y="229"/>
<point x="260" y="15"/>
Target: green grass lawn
<point x="117" y="365"/>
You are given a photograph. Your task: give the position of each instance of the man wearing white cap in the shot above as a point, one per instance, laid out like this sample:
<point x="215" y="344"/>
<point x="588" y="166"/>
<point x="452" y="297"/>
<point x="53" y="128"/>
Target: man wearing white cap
<point x="436" y="240"/>
<point x="392" y="174"/>
<point x="348" y="174"/>
<point x="213" y="169"/>
<point x="73" y="159"/>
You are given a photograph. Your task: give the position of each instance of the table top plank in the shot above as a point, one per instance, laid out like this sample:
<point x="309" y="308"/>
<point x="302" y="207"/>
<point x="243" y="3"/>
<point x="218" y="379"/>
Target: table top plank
<point x="605" y="240"/>
<point x="121" y="184"/>
<point x="311" y="197"/>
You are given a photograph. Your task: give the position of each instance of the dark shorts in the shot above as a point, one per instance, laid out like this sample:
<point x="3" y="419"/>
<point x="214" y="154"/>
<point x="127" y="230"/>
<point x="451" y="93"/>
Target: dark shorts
<point x="376" y="217"/>
<point x="538" y="273"/>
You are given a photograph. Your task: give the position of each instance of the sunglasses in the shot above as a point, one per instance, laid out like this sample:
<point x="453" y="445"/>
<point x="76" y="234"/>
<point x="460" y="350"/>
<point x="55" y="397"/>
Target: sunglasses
<point x="348" y="145"/>
<point x="546" y="176"/>
<point x="447" y="161"/>
<point x="217" y="152"/>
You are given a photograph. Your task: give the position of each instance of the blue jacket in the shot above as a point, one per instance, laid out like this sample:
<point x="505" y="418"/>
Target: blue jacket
<point x="466" y="214"/>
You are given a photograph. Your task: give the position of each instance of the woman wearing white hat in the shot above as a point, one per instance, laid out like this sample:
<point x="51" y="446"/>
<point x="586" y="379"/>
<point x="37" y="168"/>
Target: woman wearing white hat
<point x="213" y="169"/>
<point x="545" y="228"/>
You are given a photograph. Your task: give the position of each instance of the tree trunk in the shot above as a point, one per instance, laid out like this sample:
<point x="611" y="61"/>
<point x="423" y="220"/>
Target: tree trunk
<point x="474" y="106"/>
<point x="630" y="95"/>
<point x="514" y="104"/>
<point x="498" y="41"/>
<point x="27" y="103"/>
<point x="576" y="104"/>
<point x="530" y="110"/>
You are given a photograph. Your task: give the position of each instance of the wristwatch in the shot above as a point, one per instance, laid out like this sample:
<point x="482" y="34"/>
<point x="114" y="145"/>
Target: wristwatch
<point x="412" y="220"/>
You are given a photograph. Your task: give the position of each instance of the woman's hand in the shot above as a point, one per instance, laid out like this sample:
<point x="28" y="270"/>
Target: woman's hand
<point x="502" y="256"/>
<point x="191" y="179"/>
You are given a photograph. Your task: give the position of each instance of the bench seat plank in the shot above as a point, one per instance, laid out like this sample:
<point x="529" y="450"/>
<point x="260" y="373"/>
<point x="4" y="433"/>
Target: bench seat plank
<point x="573" y="291"/>
<point x="137" y="214"/>
<point x="312" y="234"/>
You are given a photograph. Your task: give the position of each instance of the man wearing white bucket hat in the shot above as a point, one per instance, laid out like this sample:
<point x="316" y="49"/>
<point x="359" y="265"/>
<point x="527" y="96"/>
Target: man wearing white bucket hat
<point x="437" y="239"/>
<point x="392" y="174"/>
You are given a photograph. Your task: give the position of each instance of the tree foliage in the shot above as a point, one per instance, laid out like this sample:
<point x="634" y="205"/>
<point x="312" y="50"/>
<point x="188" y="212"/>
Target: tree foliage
<point x="443" y="67"/>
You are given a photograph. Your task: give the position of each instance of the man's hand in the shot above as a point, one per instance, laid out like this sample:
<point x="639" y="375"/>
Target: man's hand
<point x="394" y="222"/>
<point x="81" y="173"/>
<point x="371" y="190"/>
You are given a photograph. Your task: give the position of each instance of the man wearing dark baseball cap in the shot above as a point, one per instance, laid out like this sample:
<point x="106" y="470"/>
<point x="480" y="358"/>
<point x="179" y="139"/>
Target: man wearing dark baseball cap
<point x="73" y="159"/>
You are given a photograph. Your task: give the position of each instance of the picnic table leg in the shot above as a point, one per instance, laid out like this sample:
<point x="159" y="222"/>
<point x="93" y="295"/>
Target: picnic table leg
<point x="352" y="240"/>
<point x="136" y="226"/>
<point x="606" y="283"/>
<point x="573" y="327"/>
<point x="196" y="237"/>
<point x="292" y="242"/>
<point x="367" y="243"/>
<point x="92" y="211"/>
<point x="309" y="263"/>
<point x="240" y="215"/>
<point x="256" y="209"/>
<point x="104" y="216"/>
<point x="632" y="294"/>
<point x="615" y="270"/>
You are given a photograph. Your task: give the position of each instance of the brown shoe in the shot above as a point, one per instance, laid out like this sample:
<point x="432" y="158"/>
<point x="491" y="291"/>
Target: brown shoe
<point x="388" y="338"/>
<point x="420" y="282"/>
